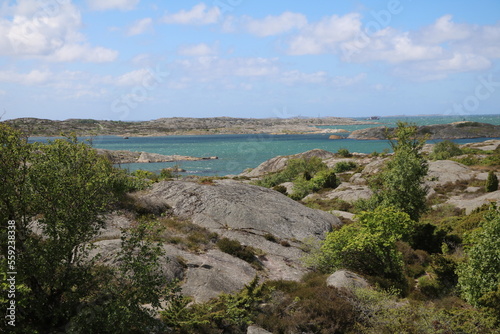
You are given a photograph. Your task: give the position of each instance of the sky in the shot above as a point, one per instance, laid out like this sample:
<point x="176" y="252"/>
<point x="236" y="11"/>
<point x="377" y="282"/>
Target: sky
<point x="133" y="60"/>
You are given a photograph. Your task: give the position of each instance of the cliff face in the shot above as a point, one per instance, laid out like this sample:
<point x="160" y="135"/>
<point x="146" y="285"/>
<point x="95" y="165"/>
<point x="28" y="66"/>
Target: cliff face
<point x="439" y="131"/>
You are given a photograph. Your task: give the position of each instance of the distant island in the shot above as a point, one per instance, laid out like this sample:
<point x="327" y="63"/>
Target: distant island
<point x="179" y="126"/>
<point x="457" y="130"/>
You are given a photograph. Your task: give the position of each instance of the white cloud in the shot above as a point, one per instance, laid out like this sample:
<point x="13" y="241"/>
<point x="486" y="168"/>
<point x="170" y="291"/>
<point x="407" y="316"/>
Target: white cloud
<point x="47" y="33"/>
<point x="444" y="30"/>
<point x="140" y="27"/>
<point x="325" y="35"/>
<point x="198" y="50"/>
<point x="35" y="77"/>
<point x="83" y="52"/>
<point x="295" y="76"/>
<point x="198" y="15"/>
<point x="112" y="4"/>
<point x="274" y="25"/>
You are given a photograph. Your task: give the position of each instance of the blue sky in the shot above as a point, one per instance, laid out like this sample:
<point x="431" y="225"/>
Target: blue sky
<point x="142" y="60"/>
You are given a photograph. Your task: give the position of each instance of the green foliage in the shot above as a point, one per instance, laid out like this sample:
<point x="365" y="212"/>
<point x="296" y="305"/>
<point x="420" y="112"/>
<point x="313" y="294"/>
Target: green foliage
<point x="382" y="312"/>
<point x="66" y="187"/>
<point x="304" y="167"/>
<point x="445" y="150"/>
<point x="231" y="313"/>
<point x="344" y="152"/>
<point x="138" y="279"/>
<point x="281" y="189"/>
<point x="491" y="182"/>
<point x="235" y="248"/>
<point x="399" y="185"/>
<point x="306" y="307"/>
<point x="480" y="273"/>
<point x="344" y="166"/>
<point x="369" y="246"/>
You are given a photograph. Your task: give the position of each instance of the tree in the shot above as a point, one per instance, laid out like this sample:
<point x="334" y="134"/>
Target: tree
<point x="491" y="182"/>
<point x="55" y="195"/>
<point x="399" y="185"/>
<point x="479" y="275"/>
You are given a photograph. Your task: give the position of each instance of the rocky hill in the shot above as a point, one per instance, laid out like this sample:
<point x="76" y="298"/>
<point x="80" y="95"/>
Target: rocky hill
<point x="275" y="229"/>
<point x="456" y="130"/>
<point x="177" y="126"/>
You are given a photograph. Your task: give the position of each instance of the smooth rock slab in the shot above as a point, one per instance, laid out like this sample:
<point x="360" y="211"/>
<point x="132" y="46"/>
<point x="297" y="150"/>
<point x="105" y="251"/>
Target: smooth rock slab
<point x="230" y="205"/>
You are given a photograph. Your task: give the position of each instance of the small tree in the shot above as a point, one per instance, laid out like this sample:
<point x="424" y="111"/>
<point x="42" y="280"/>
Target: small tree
<point x="491" y="182"/>
<point x="399" y="185"/>
<point x="480" y="274"/>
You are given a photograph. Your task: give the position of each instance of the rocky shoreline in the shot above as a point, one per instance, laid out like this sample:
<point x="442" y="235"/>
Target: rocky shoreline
<point x="126" y="157"/>
<point x="457" y="130"/>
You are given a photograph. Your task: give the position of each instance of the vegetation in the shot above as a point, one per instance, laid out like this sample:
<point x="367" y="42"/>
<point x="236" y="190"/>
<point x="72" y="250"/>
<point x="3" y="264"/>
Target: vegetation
<point x="62" y="188"/>
<point x="399" y="185"/>
<point x="307" y="174"/>
<point x="445" y="150"/>
<point x="433" y="271"/>
<point x="491" y="182"/>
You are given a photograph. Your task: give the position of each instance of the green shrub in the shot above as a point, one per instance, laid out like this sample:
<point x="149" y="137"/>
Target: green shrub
<point x="344" y="152"/>
<point x="445" y="150"/>
<point x="295" y="168"/>
<point x="344" y="166"/>
<point x="280" y="189"/>
<point x="491" y="182"/>
<point x="235" y="248"/>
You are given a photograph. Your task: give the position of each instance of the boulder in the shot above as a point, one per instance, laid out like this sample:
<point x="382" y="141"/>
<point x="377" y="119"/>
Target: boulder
<point x="346" y="279"/>
<point x="469" y="204"/>
<point x="210" y="274"/>
<point x="256" y="330"/>
<point x="447" y="171"/>
<point x="230" y="205"/>
<point x="349" y="192"/>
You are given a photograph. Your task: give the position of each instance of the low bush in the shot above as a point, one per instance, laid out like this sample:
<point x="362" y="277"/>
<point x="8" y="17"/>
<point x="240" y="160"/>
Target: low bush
<point x="344" y="166"/>
<point x="235" y="248"/>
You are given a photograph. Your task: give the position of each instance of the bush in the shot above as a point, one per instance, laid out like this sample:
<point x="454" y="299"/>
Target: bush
<point x="234" y="248"/>
<point x="303" y="167"/>
<point x="445" y="150"/>
<point x="344" y="152"/>
<point x="491" y="182"/>
<point x="280" y="189"/>
<point x="344" y="166"/>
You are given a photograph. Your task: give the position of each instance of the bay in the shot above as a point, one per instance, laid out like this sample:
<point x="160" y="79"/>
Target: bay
<point x="238" y="152"/>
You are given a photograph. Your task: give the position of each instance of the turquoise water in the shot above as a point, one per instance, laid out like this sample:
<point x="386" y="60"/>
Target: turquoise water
<point x="239" y="152"/>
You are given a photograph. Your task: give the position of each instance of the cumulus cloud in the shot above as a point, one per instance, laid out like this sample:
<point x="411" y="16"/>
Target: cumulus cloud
<point x="140" y="27"/>
<point x="275" y="25"/>
<point x="324" y="36"/>
<point x="198" y="50"/>
<point x="198" y="15"/>
<point x="112" y="4"/>
<point x="34" y="77"/>
<point x="53" y="34"/>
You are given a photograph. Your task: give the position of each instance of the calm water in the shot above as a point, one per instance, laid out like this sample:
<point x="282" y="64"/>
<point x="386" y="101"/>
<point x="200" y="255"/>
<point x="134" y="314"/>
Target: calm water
<point x="239" y="152"/>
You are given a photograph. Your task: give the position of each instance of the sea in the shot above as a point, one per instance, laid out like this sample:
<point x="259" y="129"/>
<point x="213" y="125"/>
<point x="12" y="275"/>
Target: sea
<point x="237" y="153"/>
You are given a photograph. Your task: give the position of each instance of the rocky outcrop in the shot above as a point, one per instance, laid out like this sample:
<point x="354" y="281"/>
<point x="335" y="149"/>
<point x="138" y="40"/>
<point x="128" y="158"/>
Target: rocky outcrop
<point x="278" y="163"/>
<point x="125" y="157"/>
<point x="229" y="205"/>
<point x="456" y="130"/>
